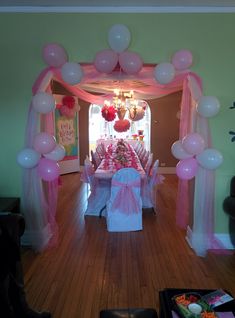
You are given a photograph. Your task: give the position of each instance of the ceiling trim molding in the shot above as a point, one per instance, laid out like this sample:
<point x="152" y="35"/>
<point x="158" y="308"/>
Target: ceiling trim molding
<point x="96" y="9"/>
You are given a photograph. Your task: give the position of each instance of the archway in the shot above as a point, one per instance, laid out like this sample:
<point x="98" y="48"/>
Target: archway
<point x="41" y="208"/>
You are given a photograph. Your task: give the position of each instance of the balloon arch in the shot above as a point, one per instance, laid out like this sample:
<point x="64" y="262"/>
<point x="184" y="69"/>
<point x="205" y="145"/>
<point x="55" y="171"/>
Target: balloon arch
<point x="197" y="158"/>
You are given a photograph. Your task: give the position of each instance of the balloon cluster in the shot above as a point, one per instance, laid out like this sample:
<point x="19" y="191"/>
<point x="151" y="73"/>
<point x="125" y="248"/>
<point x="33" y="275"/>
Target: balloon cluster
<point x="165" y="72"/>
<point x="54" y="55"/>
<point x="45" y="152"/>
<point x="107" y="60"/>
<point x="191" y="150"/>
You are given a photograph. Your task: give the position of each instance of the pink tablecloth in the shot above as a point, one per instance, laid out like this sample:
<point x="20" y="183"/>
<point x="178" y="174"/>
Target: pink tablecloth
<point x="113" y="162"/>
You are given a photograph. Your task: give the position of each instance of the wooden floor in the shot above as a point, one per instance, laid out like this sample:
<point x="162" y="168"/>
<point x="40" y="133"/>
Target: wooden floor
<point x="92" y="269"/>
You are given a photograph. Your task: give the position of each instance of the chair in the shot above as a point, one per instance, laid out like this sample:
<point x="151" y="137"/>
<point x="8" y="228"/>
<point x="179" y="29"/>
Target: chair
<point x="87" y="175"/>
<point x="98" y="198"/>
<point x="129" y="313"/>
<point x="139" y="148"/>
<point x="100" y="149"/>
<point x="95" y="159"/>
<point x="145" y="158"/>
<point x="148" y="192"/>
<point x="148" y="164"/>
<point x="124" y="208"/>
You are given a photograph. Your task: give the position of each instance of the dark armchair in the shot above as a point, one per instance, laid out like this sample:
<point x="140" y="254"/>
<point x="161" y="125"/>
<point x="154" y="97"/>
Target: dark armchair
<point x="229" y="208"/>
<point x="13" y="302"/>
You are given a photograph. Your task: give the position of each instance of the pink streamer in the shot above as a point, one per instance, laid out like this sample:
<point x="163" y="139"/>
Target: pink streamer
<point x="125" y="199"/>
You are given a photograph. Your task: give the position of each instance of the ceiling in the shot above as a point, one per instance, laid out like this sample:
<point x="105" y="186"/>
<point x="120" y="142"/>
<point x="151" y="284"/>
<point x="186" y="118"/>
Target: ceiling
<point x="156" y="4"/>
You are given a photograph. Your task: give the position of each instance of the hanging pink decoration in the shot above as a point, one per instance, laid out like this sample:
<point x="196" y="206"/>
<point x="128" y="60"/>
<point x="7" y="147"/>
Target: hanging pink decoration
<point x="121" y="125"/>
<point x="67" y="112"/>
<point x="68" y="108"/>
<point x="108" y="112"/>
<point x="68" y="101"/>
<point x="136" y="113"/>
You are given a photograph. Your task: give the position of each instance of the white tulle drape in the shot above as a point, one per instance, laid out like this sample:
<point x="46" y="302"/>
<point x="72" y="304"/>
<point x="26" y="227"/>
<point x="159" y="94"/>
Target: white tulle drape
<point x="34" y="203"/>
<point x="202" y="231"/>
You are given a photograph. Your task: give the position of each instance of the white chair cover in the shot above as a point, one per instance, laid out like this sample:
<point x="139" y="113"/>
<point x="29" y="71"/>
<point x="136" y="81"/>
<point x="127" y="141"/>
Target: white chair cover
<point x="95" y="159"/>
<point x="148" y="164"/>
<point x="100" y="193"/>
<point x="124" y="209"/>
<point x="100" y="149"/>
<point x="148" y="193"/>
<point x="87" y="174"/>
<point x="145" y="158"/>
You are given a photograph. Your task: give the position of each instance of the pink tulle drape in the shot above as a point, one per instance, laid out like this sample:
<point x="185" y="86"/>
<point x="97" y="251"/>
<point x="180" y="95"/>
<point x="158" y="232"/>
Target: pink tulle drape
<point x="40" y="208"/>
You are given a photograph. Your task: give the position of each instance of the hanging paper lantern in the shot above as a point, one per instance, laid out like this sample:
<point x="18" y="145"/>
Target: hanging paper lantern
<point x="121" y="125"/>
<point x="108" y="113"/>
<point x="68" y="101"/>
<point x="136" y="113"/>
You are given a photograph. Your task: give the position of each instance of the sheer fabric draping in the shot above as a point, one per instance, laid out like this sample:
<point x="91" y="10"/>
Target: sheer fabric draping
<point x="39" y="207"/>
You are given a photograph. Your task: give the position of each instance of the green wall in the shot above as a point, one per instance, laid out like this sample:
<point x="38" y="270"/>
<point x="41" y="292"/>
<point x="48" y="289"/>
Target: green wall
<point x="210" y="37"/>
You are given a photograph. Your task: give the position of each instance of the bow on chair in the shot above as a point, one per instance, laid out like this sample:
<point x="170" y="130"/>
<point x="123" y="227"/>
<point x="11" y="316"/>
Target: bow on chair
<point x="125" y="199"/>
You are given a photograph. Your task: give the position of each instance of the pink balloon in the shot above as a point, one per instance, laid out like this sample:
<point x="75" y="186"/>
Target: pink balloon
<point x="182" y="59"/>
<point x="130" y="62"/>
<point x="193" y="143"/>
<point x="105" y="61"/>
<point x="48" y="169"/>
<point x="186" y="169"/>
<point x="54" y="55"/>
<point x="44" y="143"/>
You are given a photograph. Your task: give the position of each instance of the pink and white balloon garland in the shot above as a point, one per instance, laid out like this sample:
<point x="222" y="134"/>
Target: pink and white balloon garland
<point x="54" y="55"/>
<point x="45" y="152"/>
<point x="107" y="60"/>
<point x="191" y="149"/>
<point x="165" y="72"/>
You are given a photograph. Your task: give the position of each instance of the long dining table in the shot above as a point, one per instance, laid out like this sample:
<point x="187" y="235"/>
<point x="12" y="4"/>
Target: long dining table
<point x="113" y="161"/>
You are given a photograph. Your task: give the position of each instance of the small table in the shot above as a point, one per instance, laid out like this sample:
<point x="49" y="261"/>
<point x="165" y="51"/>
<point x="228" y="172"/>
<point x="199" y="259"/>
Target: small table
<point x="166" y="305"/>
<point x="9" y="204"/>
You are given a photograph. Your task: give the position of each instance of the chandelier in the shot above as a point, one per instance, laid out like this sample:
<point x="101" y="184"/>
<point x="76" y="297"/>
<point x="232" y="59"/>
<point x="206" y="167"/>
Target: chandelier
<point x="122" y="102"/>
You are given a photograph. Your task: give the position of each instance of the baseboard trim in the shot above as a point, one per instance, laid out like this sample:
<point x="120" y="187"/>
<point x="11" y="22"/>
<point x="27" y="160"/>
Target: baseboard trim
<point x="224" y="238"/>
<point x="166" y="170"/>
<point x="37" y="239"/>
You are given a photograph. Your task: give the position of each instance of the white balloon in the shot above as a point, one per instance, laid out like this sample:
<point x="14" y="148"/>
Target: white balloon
<point x="56" y="154"/>
<point x="210" y="158"/>
<point x="71" y="73"/>
<point x="208" y="106"/>
<point x="164" y="73"/>
<point x="119" y="37"/>
<point x="43" y="103"/>
<point x="178" y="151"/>
<point x="28" y="158"/>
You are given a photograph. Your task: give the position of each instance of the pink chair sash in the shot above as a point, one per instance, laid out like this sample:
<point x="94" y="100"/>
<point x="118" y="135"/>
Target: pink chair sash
<point x="125" y="199"/>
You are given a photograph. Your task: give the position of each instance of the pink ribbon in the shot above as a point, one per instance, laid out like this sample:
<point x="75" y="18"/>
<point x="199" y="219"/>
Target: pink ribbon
<point x="125" y="199"/>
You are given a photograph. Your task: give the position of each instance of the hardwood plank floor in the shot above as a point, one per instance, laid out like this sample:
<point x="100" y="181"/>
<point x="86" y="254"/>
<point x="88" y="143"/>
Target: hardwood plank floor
<point x="92" y="269"/>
